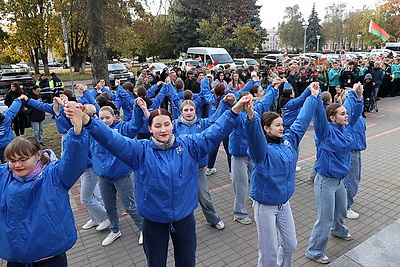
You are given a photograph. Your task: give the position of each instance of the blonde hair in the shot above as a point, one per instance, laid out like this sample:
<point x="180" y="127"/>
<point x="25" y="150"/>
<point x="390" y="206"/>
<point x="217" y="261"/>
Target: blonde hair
<point x="90" y="110"/>
<point x="187" y="102"/>
<point x="109" y="109"/>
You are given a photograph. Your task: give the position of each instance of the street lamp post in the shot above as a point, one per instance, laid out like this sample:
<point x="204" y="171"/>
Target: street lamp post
<point x="318" y="37"/>
<point x="358" y="41"/>
<point x="305" y="26"/>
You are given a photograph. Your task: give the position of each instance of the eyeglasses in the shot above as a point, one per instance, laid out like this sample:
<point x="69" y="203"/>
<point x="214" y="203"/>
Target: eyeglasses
<point x="21" y="161"/>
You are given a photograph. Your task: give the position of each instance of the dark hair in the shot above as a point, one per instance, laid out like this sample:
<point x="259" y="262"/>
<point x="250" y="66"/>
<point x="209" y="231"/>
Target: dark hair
<point x="326" y="97"/>
<point x="106" y="95"/>
<point x="141" y="91"/>
<point x="25" y="145"/>
<point x="68" y="93"/>
<point x="157" y="112"/>
<point x="267" y="119"/>
<point x="101" y="100"/>
<point x="17" y="87"/>
<point x="187" y="95"/>
<point x="250" y="68"/>
<point x="331" y="110"/>
<point x="254" y="90"/>
<point x="285" y="97"/>
<point x="105" y="81"/>
<point x="128" y="86"/>
<point x="219" y="91"/>
<point x="34" y="87"/>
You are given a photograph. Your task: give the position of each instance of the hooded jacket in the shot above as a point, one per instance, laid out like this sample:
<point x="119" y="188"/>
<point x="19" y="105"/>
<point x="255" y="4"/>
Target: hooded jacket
<point x="6" y="133"/>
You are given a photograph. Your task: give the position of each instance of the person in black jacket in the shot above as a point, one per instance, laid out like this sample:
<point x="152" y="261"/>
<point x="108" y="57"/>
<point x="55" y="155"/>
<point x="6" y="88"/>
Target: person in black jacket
<point x="349" y="75"/>
<point x="36" y="116"/>
<point x="20" y="119"/>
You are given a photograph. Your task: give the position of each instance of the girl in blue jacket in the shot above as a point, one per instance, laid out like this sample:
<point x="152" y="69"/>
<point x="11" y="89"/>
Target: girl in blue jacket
<point x="165" y="184"/>
<point x="274" y="155"/>
<point x="334" y="144"/>
<point x="36" y="219"/>
<point x="114" y="175"/>
<point x="189" y="123"/>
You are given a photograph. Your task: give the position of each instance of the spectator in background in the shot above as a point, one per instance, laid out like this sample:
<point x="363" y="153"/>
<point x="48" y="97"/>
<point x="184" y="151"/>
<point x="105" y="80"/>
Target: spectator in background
<point x="56" y="85"/>
<point x="20" y="118"/>
<point x="44" y="84"/>
<point x="36" y="116"/>
<point x="189" y="82"/>
<point x="377" y="77"/>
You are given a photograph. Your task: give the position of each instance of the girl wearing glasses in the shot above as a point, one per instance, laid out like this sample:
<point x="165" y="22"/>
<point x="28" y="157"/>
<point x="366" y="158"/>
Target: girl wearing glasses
<point x="37" y="225"/>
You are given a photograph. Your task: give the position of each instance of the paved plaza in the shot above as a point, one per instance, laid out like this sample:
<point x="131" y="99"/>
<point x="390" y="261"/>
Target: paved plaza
<point x="378" y="203"/>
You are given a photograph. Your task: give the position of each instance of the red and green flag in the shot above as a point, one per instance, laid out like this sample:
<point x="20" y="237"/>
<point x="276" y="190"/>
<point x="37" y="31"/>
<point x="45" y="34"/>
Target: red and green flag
<point x="287" y="60"/>
<point x="303" y="74"/>
<point x="209" y="66"/>
<point x="190" y="64"/>
<point x="215" y="63"/>
<point x="198" y="59"/>
<point x="375" y="29"/>
<point x="315" y="74"/>
<point x="285" y="55"/>
<point x="152" y="67"/>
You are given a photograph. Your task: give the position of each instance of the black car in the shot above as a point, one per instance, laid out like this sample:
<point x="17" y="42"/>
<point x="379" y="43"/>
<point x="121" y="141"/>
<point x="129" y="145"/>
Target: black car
<point x="117" y="71"/>
<point x="8" y="76"/>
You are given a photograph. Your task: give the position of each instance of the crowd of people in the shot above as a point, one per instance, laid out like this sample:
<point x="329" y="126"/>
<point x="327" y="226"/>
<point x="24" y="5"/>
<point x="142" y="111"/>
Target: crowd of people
<point x="142" y="141"/>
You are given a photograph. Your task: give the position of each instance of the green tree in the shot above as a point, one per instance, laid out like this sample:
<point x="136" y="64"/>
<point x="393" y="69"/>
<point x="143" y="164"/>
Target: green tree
<point x="75" y="14"/>
<point x="245" y="40"/>
<point x="33" y="21"/>
<point x="313" y="29"/>
<point x="290" y="30"/>
<point x="332" y="26"/>
<point x="187" y="15"/>
<point x="213" y="33"/>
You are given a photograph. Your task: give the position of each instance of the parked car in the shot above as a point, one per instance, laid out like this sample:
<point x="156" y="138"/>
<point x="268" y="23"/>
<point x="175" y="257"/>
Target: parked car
<point x="273" y="59"/>
<point x="185" y="65"/>
<point x="117" y="71"/>
<point x="3" y="106"/>
<point x="313" y="55"/>
<point x="8" y="76"/>
<point x="158" y="66"/>
<point x="55" y="64"/>
<point x="245" y="62"/>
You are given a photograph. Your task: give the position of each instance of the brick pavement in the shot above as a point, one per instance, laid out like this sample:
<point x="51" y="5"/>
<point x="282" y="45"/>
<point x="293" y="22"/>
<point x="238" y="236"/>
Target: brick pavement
<point x="236" y="245"/>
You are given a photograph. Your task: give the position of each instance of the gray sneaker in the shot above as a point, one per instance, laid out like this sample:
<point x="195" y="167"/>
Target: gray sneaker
<point x="246" y="220"/>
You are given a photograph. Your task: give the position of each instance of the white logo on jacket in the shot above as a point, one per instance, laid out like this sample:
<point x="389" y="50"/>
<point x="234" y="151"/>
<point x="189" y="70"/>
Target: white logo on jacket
<point x="286" y="143"/>
<point x="179" y="150"/>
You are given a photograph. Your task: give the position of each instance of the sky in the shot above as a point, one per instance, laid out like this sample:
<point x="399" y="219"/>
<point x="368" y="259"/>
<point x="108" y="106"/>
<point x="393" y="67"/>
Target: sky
<point x="272" y="11"/>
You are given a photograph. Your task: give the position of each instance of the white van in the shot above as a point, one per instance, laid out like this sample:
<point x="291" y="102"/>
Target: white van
<point x="395" y="47"/>
<point x="210" y="55"/>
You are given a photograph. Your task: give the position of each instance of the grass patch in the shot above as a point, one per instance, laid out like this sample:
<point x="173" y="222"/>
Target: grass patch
<point x="64" y="75"/>
<point x="51" y="138"/>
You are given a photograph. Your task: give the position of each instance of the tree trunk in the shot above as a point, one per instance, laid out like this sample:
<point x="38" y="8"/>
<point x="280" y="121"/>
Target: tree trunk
<point x="97" y="40"/>
<point x="45" y="62"/>
<point x="36" y="60"/>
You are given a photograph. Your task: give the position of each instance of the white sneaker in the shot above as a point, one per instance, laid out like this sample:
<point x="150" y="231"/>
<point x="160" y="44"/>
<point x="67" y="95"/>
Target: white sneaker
<point x="90" y="224"/>
<point x="211" y="171"/>
<point x="103" y="225"/>
<point x="220" y="225"/>
<point x="111" y="238"/>
<point x="298" y="168"/>
<point x="141" y="238"/>
<point x="351" y="214"/>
